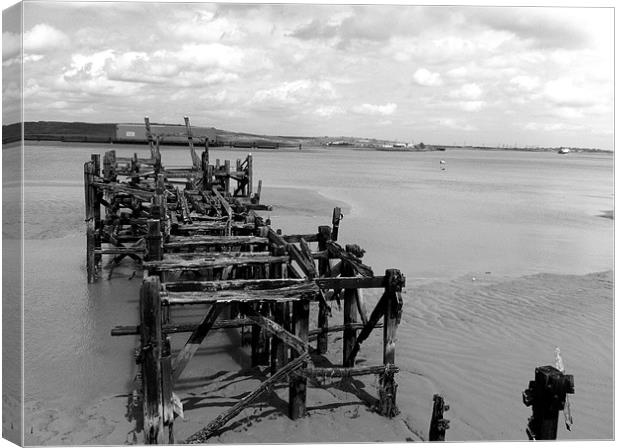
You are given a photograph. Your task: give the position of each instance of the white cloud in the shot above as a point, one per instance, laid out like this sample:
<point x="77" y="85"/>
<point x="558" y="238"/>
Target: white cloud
<point x="328" y="111"/>
<point x="295" y="92"/>
<point x="425" y="77"/>
<point x="42" y="37"/>
<point x="472" y="106"/>
<point x="456" y="124"/>
<point x="527" y="83"/>
<point x="564" y="91"/>
<point x="458" y="72"/>
<point x="375" y="109"/>
<point x="471" y="91"/>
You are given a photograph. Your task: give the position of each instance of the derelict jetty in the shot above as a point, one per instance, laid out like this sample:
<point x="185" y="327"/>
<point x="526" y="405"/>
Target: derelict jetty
<point x="196" y="233"/>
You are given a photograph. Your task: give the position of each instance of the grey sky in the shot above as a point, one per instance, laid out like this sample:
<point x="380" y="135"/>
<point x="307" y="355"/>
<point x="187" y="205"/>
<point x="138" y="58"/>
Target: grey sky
<point x="480" y="75"/>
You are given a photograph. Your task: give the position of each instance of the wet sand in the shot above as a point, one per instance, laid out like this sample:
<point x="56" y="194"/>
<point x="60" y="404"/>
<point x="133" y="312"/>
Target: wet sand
<point x="220" y="374"/>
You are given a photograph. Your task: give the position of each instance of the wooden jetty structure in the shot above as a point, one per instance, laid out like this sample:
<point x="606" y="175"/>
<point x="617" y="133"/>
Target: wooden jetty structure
<point x="196" y="233"/>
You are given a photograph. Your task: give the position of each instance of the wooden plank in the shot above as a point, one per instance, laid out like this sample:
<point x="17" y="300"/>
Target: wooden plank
<point x="223" y="201"/>
<point x="223" y="260"/>
<point x="166" y="392"/>
<point x="266" y="283"/>
<point x="336" y="218"/>
<point x="116" y="187"/>
<point x="120" y="250"/>
<point x="208" y="431"/>
<point x="336" y="251"/>
<point x="339" y="328"/>
<point x="296" y="238"/>
<point x="128" y="330"/>
<point x="367" y="328"/>
<point x="292" y="293"/>
<point x="305" y="250"/>
<point x="215" y="240"/>
<point x="306" y="265"/>
<point x="194" y="341"/>
<point x="154" y="250"/>
<point x="293" y="341"/>
<point x="345" y="372"/>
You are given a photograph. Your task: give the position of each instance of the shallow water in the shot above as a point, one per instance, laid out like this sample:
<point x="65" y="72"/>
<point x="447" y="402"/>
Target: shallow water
<point x="493" y="216"/>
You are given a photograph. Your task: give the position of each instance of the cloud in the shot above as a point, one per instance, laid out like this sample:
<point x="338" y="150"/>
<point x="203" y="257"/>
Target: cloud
<point x="471" y="91"/>
<point x="42" y="38"/>
<point x="375" y="109"/>
<point x="472" y="106"/>
<point x="425" y="77"/>
<point x="456" y="124"/>
<point x="527" y="83"/>
<point x="295" y="92"/>
<point x="565" y="92"/>
<point x="328" y="111"/>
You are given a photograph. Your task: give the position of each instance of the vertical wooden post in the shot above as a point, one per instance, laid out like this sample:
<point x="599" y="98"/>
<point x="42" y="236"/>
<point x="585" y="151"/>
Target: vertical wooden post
<point x="336" y="217"/>
<point x="89" y="200"/>
<point x="350" y="317"/>
<point x="250" y="169"/>
<point x="279" y="350"/>
<point x="149" y="137"/>
<point x="387" y="385"/>
<point x="154" y="249"/>
<point x="227" y="178"/>
<point x="297" y="383"/>
<point x="547" y="396"/>
<point x="112" y="176"/>
<point x="323" y="322"/>
<point x="151" y="349"/>
<point x="206" y="179"/>
<point x="95" y="158"/>
<point x="437" y="430"/>
<point x="260" y="341"/>
<point x="166" y="389"/>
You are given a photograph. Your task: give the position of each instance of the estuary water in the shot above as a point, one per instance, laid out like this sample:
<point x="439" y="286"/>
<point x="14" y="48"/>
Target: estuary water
<point x="507" y="256"/>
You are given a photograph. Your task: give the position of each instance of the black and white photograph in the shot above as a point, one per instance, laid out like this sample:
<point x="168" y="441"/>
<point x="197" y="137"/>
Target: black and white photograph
<point x="296" y="223"/>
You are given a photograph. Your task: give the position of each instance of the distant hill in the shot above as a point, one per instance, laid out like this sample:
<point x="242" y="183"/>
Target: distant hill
<point x="106" y="132"/>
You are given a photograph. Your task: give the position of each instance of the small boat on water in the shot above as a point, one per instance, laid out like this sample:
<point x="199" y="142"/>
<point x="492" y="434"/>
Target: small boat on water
<point x="563" y="151"/>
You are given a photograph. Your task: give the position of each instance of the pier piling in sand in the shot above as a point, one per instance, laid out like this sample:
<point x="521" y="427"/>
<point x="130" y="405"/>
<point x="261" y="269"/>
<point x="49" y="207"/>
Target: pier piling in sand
<point x="196" y="233"/>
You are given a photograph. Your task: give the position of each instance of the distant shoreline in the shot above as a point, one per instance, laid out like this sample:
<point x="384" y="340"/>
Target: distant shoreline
<point x="78" y="132"/>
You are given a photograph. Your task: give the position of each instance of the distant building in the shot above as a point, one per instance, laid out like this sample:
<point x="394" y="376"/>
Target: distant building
<point x="130" y="132"/>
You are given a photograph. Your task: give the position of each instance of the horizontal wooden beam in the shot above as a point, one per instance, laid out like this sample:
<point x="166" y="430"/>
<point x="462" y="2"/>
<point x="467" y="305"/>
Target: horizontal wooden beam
<point x="214" y="262"/>
<point x="221" y="285"/>
<point x="296" y="238"/>
<point x="336" y="328"/>
<point x="306" y="291"/>
<point x="120" y="251"/>
<point x="350" y="282"/>
<point x="207" y="240"/>
<point x="128" y="330"/>
<point x="344" y="372"/>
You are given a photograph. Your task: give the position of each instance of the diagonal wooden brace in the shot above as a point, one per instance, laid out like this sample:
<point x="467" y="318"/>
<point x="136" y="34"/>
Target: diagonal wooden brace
<point x="373" y="320"/>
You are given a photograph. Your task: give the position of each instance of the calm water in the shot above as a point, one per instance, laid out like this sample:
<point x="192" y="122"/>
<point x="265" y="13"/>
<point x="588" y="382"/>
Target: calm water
<point x="505" y="214"/>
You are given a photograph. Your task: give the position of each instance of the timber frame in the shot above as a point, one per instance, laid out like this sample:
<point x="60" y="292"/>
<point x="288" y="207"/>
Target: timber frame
<point x="204" y="244"/>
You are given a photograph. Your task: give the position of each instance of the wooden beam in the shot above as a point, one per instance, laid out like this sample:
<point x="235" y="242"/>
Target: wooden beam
<point x="278" y="331"/>
<point x="298" y="383"/>
<point x="345" y="372"/>
<point x="215" y="240"/>
<point x="128" y="330"/>
<point x="371" y="324"/>
<point x="208" y="431"/>
<point x="194" y="341"/>
<point x="223" y="260"/>
<point x="336" y="251"/>
<point x="291" y="293"/>
<point x="219" y="285"/>
<point x="151" y="347"/>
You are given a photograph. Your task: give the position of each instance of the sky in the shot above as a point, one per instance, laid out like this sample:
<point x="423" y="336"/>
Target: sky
<point x="525" y="76"/>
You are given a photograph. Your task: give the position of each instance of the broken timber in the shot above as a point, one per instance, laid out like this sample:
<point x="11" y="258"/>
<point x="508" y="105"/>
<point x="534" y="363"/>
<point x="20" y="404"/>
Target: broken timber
<point x="203" y="244"/>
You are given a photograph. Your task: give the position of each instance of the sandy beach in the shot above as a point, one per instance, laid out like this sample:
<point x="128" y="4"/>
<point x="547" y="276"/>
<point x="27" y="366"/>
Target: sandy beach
<point x="341" y="412"/>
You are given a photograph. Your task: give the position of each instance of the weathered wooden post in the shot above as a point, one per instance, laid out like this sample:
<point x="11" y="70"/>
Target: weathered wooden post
<point x="206" y="179"/>
<point x="349" y="309"/>
<point x="250" y="169"/>
<point x="135" y="169"/>
<point x="336" y="217"/>
<point x="324" y="235"/>
<point x="547" y="396"/>
<point x="437" y="430"/>
<point x="260" y="341"/>
<point x="298" y="383"/>
<point x="394" y="283"/>
<point x="279" y="350"/>
<point x="154" y="248"/>
<point x="89" y="201"/>
<point x="166" y="391"/>
<point x="227" y="178"/>
<point x="96" y="159"/>
<point x="151" y="350"/>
